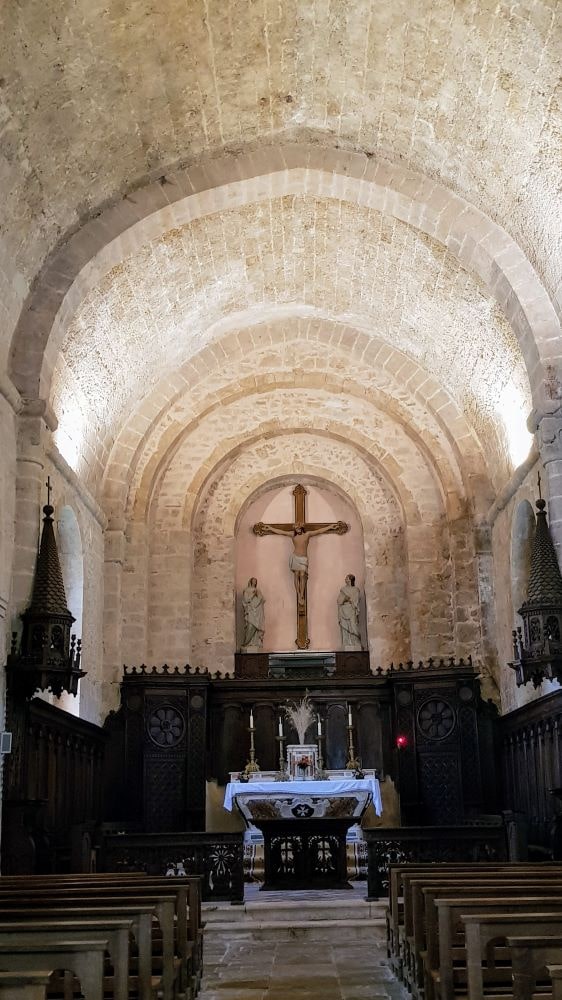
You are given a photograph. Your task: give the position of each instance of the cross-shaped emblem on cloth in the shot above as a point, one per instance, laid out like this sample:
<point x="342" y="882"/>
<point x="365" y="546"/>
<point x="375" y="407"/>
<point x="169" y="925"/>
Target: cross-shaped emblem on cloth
<point x="301" y="531"/>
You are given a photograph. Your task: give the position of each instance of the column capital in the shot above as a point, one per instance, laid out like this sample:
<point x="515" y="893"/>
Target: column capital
<point x="549" y="433"/>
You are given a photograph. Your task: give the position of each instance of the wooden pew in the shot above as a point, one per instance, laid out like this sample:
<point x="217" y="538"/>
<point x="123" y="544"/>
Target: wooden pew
<point x="420" y="914"/>
<point x="116" y="932"/>
<point x="162" y="905"/>
<point x="139" y="917"/>
<point x="398" y="884"/>
<point x="85" y="958"/>
<point x="452" y="942"/>
<point x="555" y="973"/>
<point x="444" y="870"/>
<point x="146" y="909"/>
<point x="484" y="930"/>
<point x="509" y="892"/>
<point x="24" y="985"/>
<point x="188" y="908"/>
<point x="530" y="956"/>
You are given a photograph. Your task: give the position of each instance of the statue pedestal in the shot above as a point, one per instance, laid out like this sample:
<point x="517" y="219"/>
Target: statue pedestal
<point x="313" y="665"/>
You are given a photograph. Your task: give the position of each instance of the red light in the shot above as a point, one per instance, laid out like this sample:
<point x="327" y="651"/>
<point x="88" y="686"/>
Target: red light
<point x="401" y="742"/>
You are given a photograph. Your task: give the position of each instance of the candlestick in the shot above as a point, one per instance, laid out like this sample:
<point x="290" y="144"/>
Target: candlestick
<point x="319" y="725"/>
<point x="280" y="729"/>
<point x="282" y="772"/>
<point x="320" y="773"/>
<point x="349" y="719"/>
<point x="252" y="766"/>
<point x="352" y="763"/>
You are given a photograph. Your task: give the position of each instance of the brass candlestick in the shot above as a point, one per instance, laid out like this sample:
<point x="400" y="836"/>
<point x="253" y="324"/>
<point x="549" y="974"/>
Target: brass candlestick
<point x="320" y="773"/>
<point x="352" y="763"/>
<point x="282" y="772"/>
<point x="320" y="737"/>
<point x="252" y="767"/>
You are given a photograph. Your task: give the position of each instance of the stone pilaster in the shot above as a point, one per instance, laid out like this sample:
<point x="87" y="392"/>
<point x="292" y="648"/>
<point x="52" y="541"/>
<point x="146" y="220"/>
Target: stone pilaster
<point x="112" y="616"/>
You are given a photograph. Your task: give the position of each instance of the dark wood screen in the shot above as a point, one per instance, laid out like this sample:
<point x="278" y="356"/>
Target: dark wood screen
<point x="52" y="785"/>
<point x="531" y="739"/>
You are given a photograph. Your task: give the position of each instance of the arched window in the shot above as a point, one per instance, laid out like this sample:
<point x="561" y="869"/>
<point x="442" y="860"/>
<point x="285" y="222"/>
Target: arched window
<point x="72" y="566"/>
<point x="522" y="534"/>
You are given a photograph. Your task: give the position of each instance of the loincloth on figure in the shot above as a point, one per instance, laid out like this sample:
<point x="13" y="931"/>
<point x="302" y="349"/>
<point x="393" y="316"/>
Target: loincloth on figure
<point x="298" y="564"/>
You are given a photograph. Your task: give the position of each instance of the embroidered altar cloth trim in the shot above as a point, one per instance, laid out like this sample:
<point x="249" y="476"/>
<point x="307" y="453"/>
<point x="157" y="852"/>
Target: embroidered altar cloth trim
<point x="344" y="786"/>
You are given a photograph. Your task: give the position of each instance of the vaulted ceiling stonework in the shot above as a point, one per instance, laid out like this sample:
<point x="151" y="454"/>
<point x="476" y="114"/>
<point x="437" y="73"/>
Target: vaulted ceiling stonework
<point x="242" y="242"/>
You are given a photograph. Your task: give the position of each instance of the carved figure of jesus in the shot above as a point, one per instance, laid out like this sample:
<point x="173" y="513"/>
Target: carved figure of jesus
<point x="300" y="530"/>
<point x="298" y="560"/>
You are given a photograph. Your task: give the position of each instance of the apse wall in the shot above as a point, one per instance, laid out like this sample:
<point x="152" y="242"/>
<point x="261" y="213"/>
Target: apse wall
<point x="331" y="558"/>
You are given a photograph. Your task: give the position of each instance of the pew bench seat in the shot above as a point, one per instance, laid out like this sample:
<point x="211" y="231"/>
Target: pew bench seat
<point x="85" y="958"/>
<point x="18" y="985"/>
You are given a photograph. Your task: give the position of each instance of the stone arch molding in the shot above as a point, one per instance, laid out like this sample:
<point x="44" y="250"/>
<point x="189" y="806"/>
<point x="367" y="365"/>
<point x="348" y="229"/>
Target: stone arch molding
<point x="411" y="476"/>
<point x="370" y="373"/>
<point x="481" y="246"/>
<point x="444" y="475"/>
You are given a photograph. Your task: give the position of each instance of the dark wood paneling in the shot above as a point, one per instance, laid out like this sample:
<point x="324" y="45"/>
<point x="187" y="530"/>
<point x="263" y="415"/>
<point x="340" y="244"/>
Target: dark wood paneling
<point x="52" y="783"/>
<point x="531" y="755"/>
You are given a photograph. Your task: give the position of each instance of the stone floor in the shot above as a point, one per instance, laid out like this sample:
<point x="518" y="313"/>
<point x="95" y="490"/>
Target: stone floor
<point x="297" y="969"/>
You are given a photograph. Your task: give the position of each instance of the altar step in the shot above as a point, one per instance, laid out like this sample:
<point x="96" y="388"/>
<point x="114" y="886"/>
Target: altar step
<point x="316" y="919"/>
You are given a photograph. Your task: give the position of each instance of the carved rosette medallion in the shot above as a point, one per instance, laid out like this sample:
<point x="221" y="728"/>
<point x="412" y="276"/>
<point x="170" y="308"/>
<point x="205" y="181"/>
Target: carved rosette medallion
<point x="166" y="726"/>
<point x="436" y="719"/>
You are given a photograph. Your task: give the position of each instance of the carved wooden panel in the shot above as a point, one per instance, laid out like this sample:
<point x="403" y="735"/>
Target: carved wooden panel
<point x="440" y="787"/>
<point x="531" y="748"/>
<point x="336" y="736"/>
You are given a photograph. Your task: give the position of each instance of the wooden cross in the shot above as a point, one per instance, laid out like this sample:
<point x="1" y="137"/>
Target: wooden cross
<point x="301" y="530"/>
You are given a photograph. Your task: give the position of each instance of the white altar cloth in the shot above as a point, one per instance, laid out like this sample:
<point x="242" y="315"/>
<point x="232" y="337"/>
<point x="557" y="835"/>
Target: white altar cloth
<point x="342" y="786"/>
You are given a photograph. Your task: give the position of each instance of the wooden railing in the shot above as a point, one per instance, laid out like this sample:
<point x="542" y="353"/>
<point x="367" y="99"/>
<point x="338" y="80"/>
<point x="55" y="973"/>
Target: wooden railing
<point x="393" y="845"/>
<point x="217" y="857"/>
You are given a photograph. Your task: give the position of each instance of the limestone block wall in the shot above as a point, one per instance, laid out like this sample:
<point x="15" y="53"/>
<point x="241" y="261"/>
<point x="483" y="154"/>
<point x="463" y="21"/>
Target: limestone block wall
<point x="420" y="561"/>
<point x="134" y="597"/>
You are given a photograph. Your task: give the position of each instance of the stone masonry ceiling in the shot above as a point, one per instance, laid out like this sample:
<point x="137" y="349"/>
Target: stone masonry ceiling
<point x="100" y="100"/>
<point x="468" y="93"/>
<point x="304" y="256"/>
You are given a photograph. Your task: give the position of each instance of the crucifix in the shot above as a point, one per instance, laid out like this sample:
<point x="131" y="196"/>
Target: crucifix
<point x="301" y="531"/>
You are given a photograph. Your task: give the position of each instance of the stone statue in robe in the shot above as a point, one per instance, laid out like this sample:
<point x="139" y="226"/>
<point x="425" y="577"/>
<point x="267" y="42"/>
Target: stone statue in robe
<point x="253" y="603"/>
<point x="349" y="599"/>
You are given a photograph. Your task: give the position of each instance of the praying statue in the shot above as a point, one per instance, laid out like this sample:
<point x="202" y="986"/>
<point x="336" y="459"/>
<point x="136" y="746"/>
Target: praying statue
<point x="254" y="616"/>
<point x="349" y="599"/>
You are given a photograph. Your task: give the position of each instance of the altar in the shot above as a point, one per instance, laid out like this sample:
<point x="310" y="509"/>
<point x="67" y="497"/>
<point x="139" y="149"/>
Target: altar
<point x="304" y="826"/>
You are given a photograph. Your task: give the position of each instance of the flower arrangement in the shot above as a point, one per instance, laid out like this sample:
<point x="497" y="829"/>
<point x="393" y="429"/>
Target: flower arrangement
<point x="303" y="763"/>
<point x="301" y="715"/>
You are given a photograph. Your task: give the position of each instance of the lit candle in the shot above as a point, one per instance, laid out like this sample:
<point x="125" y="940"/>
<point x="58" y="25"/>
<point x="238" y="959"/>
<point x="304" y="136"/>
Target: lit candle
<point x="251" y="719"/>
<point x="349" y="719"/>
<point x="280" y="728"/>
<point x="319" y="726"/>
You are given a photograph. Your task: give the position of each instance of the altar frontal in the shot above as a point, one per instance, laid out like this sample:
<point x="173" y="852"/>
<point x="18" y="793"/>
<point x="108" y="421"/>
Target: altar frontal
<point x="303" y="811"/>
